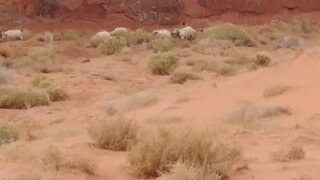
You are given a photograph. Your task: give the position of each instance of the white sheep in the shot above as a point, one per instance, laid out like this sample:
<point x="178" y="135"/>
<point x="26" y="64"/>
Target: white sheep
<point x="12" y="35"/>
<point x="119" y="30"/>
<point x="187" y="33"/>
<point x="100" y="37"/>
<point x="161" y="33"/>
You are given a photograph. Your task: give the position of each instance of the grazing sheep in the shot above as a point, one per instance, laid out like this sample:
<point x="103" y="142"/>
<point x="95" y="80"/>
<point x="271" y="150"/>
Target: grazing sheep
<point x="187" y="33"/>
<point x="161" y="33"/>
<point x="119" y="31"/>
<point x="100" y="37"/>
<point x="12" y="35"/>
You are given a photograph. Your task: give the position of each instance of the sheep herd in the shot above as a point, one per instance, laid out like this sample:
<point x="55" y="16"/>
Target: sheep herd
<point x="185" y="33"/>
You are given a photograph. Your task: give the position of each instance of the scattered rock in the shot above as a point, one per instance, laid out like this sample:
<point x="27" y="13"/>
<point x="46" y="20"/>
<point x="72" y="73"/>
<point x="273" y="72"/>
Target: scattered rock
<point x="288" y="43"/>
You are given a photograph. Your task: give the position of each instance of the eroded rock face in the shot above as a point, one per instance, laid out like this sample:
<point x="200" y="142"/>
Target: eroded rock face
<point x="163" y="12"/>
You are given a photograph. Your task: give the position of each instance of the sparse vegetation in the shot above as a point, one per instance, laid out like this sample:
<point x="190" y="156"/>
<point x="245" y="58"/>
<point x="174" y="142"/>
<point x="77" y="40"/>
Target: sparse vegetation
<point x="56" y="160"/>
<point x="55" y="92"/>
<point x="294" y="153"/>
<point x="163" y="64"/>
<point x="184" y="172"/>
<point x="155" y="155"/>
<point x="114" y="134"/>
<point x="130" y="102"/>
<point x="263" y="59"/>
<point x="43" y="60"/>
<point x="230" y="32"/>
<point x="138" y="37"/>
<point x="5" y="77"/>
<point x="161" y="44"/>
<point x="8" y="133"/>
<point x="182" y="77"/>
<point x="275" y="91"/>
<point x="249" y="114"/>
<point x="12" y="97"/>
<point x="113" y="45"/>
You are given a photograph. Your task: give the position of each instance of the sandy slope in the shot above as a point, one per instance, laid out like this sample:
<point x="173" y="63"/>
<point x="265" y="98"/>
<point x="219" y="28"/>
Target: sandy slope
<point x="196" y="104"/>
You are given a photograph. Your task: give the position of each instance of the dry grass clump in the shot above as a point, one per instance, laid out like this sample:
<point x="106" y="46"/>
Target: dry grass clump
<point x="263" y="59"/>
<point x="43" y="60"/>
<point x="155" y="155"/>
<point x="5" y="77"/>
<point x="55" y="92"/>
<point x="12" y="97"/>
<point x="203" y="65"/>
<point x="163" y="64"/>
<point x="227" y="70"/>
<point x="114" y="134"/>
<point x="8" y="134"/>
<point x="58" y="161"/>
<point x="161" y="44"/>
<point x="113" y="45"/>
<point x="232" y="33"/>
<point x="78" y="37"/>
<point x="183" y="172"/>
<point x="29" y="129"/>
<point x="182" y="77"/>
<point x="130" y="102"/>
<point x="275" y="91"/>
<point x="249" y="113"/>
<point x="294" y="153"/>
<point x="138" y="37"/>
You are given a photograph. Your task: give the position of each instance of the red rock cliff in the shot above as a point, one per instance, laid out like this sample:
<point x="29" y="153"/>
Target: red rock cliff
<point x="162" y="12"/>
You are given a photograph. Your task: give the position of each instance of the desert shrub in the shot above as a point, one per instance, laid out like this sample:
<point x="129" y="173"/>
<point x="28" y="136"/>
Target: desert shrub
<point x="5" y="77"/>
<point x="294" y="153"/>
<point x="184" y="172"/>
<point x="129" y="102"/>
<point x="154" y="155"/>
<point x="43" y="60"/>
<point x="182" y="77"/>
<point x="55" y="159"/>
<point x="114" y="134"/>
<point x="138" y="37"/>
<point x="263" y="59"/>
<point x="230" y="32"/>
<point x="275" y="91"/>
<point x="227" y="70"/>
<point x="161" y="44"/>
<point x="8" y="133"/>
<point x="163" y="64"/>
<point x="29" y="129"/>
<point x="113" y="46"/>
<point x="55" y="92"/>
<point x="249" y="113"/>
<point x="17" y="98"/>
<point x="203" y="65"/>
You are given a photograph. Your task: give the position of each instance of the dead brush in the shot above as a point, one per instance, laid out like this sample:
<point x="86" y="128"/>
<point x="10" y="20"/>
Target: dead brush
<point x="55" y="92"/>
<point x="42" y="60"/>
<point x="12" y="97"/>
<point x="113" y="45"/>
<point x="56" y="160"/>
<point x="250" y="114"/>
<point x="230" y="32"/>
<point x="275" y="91"/>
<point x="294" y="153"/>
<point x="163" y="64"/>
<point x="161" y="44"/>
<point x="155" y="155"/>
<point x="8" y="133"/>
<point x="114" y="134"/>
